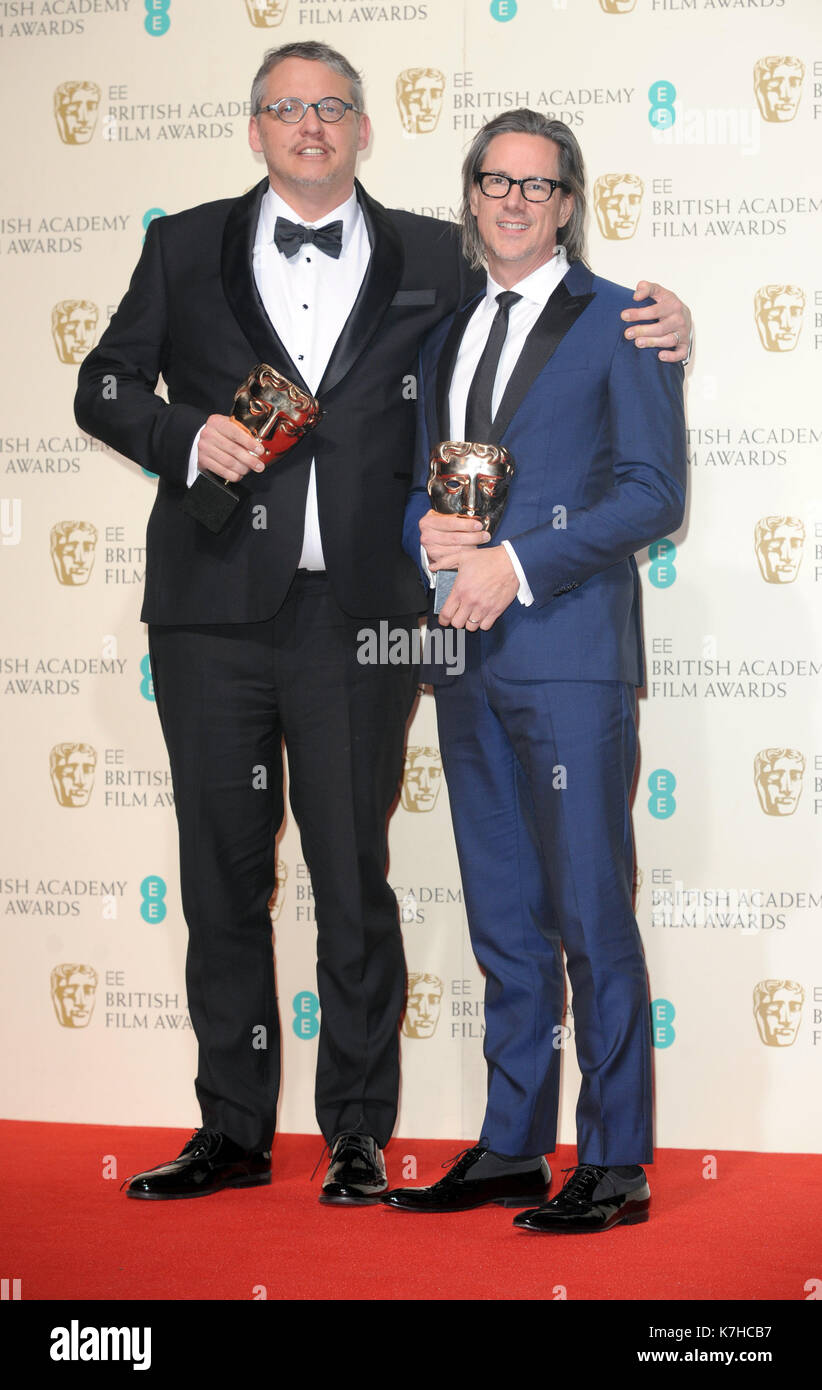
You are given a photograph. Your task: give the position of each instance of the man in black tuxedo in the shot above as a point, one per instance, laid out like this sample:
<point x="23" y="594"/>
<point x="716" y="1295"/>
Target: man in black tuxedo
<point x="253" y="631"/>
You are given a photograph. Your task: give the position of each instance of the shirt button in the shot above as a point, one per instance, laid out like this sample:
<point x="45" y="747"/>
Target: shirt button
<point x="300" y="357"/>
<point x="305" y="306"/>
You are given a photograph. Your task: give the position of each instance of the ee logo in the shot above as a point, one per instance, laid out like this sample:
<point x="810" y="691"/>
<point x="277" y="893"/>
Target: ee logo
<point x="503" y="10"/>
<point x="661" y="802"/>
<point x="156" y="22"/>
<point x="662" y="96"/>
<point x="306" y="1007"/>
<point x="146" y="684"/>
<point x="153" y="892"/>
<point x="663" y="1014"/>
<point x="662" y="570"/>
<point x="149" y="217"/>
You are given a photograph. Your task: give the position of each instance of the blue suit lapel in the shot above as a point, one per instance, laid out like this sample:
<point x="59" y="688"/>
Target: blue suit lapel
<point x="570" y="299"/>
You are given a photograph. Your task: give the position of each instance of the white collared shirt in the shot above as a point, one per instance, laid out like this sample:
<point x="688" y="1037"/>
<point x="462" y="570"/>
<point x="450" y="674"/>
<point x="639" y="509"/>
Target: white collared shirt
<point x="308" y="298"/>
<point x="536" y="289"/>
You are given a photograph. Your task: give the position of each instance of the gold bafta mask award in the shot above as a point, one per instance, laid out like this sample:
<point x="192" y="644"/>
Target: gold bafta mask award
<point x="277" y="414"/>
<point x="467" y="480"/>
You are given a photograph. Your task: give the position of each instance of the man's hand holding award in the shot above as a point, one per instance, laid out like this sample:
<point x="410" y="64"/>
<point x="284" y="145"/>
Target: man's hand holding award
<point x="276" y="414"/>
<point x="469" y="481"/>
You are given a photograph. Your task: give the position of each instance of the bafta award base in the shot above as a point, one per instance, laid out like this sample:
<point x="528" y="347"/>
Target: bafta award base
<point x="444" y="583"/>
<point x="211" y="501"/>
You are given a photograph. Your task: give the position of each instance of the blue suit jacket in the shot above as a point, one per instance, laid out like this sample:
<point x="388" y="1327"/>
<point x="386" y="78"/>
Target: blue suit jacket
<point x="595" y="427"/>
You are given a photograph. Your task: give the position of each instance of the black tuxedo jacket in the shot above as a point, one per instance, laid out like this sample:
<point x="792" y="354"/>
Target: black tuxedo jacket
<point x="192" y="314"/>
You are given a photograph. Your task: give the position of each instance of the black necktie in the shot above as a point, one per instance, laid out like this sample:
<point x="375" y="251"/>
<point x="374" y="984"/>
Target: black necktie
<point x="290" y="236"/>
<point x="478" y="405"/>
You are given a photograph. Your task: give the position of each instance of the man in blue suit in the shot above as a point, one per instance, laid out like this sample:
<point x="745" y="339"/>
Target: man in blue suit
<point x="538" y="735"/>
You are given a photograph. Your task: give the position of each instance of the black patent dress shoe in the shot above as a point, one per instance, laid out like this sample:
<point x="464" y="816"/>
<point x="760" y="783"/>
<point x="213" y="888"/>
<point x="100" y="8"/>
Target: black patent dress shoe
<point x="458" y="1192"/>
<point x="593" y="1199"/>
<point x="356" y="1173"/>
<point x="208" y="1163"/>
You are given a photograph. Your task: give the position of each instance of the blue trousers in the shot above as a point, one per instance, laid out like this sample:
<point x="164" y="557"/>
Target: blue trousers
<point x="539" y="778"/>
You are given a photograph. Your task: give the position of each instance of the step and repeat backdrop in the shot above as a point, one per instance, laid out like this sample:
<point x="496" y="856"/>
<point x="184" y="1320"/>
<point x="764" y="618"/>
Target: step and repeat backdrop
<point x="700" y="121"/>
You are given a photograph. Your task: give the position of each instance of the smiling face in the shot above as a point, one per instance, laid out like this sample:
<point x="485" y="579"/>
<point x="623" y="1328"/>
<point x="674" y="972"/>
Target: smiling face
<point x="311" y="165"/>
<point x="519" y="236"/>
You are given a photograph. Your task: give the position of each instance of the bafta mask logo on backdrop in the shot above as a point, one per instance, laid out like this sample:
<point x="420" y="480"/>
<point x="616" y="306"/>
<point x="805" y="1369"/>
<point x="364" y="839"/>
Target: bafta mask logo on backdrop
<point x="779" y="542"/>
<point x="73" y="546"/>
<point x="75" y="110"/>
<point x="778" y="311"/>
<point x="778" y="87"/>
<point x="422" y="778"/>
<point x="275" y="902"/>
<point x="73" y="991"/>
<point x="72" y="772"/>
<point x="777" y="1007"/>
<point x="778" y="780"/>
<point x="266" y="14"/>
<point x="637" y="885"/>
<point x="617" y="6"/>
<point x="423" y="1005"/>
<point x="618" y="203"/>
<point x="420" y="92"/>
<point x="74" y="328"/>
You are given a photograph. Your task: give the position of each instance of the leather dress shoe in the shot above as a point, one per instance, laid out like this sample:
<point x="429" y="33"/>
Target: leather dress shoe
<point x="593" y="1199"/>
<point x="208" y="1163"/>
<point x="457" y="1192"/>
<point x="356" y="1173"/>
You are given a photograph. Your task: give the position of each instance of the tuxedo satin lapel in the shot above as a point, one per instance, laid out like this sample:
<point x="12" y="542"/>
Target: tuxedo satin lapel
<point x="240" y="288"/>
<point x="378" y="288"/>
<point x="559" y="315"/>
<point x="446" y="365"/>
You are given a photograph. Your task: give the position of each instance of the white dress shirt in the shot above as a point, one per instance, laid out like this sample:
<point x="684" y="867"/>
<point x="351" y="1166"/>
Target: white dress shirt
<point x="536" y="289"/>
<point x="308" y="298"/>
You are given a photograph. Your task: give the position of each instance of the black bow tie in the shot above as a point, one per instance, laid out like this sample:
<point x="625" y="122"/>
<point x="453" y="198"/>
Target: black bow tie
<point x="290" y="236"/>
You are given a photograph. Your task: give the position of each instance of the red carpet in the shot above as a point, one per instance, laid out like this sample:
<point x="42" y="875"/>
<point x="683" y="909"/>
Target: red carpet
<point x="752" y="1232"/>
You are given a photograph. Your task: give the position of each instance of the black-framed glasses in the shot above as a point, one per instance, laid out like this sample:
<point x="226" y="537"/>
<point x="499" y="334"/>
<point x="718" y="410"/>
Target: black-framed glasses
<point x="292" y="110"/>
<point x="534" y="190"/>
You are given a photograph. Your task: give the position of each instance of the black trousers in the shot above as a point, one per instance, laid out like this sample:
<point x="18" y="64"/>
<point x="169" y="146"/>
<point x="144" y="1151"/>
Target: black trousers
<point x="227" y="696"/>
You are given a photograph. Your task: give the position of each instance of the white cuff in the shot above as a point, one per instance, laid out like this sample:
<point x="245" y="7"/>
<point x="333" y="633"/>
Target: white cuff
<point x="424" y="563"/>
<point x="524" y="594"/>
<point x="686" y="359"/>
<point x="193" y="470"/>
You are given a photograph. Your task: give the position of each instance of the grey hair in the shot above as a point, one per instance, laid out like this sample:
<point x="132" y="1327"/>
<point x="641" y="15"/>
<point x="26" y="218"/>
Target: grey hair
<point x="311" y="52"/>
<point x="571" y="171"/>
